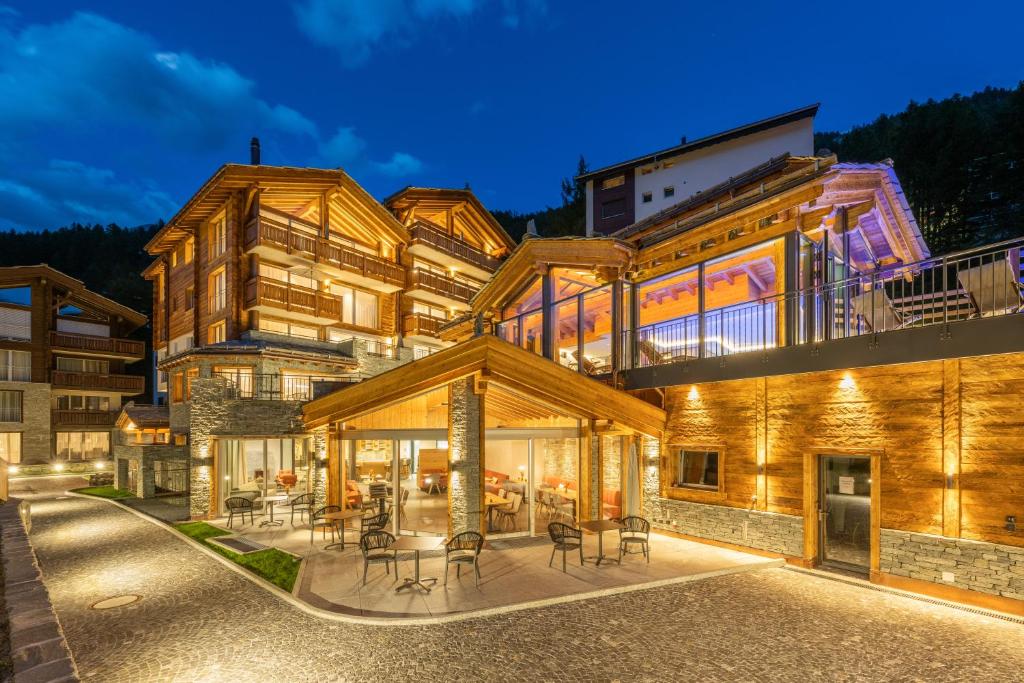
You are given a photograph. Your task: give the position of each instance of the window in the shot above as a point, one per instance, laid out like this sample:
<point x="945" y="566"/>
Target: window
<point x="10" y="406"/>
<point x="432" y="311"/>
<point x="16" y="295"/>
<point x="617" y="181"/>
<point x="646" y="197"/>
<point x="669" y="191"/>
<point x="78" y="402"/>
<point x="15" y="323"/>
<point x="218" y="236"/>
<point x="218" y="285"/>
<point x="190" y="374"/>
<point x="697" y="469"/>
<point x="16" y="366"/>
<point x="217" y="333"/>
<point x="357" y="307"/>
<point x="177" y="387"/>
<point x="10" y="447"/>
<point x="239" y="379"/>
<point x="190" y="298"/>
<point x="83" y="445"/>
<point x="89" y="365"/>
<point x="616" y="207"/>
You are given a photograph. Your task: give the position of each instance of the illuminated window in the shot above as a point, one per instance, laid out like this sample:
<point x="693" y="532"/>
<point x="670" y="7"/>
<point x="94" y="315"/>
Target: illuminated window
<point x="218" y="236"/>
<point x="217" y="333"/>
<point x="218" y="286"/>
<point x="697" y="469"/>
<point x="177" y="387"/>
<point x="10" y="406"/>
<point x="190" y="375"/>
<point x="10" y="447"/>
<point x="617" y="181"/>
<point x="190" y="249"/>
<point x="83" y="445"/>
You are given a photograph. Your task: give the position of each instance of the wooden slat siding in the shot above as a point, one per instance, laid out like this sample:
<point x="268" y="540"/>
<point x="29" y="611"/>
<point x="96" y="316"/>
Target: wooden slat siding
<point x="514" y="368"/>
<point x="992" y="447"/>
<point x="717" y="414"/>
<point x="180" y="278"/>
<point x="951" y="443"/>
<point x="97" y="345"/>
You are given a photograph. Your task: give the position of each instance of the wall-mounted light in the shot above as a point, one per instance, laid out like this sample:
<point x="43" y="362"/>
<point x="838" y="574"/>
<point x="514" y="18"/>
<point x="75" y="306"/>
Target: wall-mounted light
<point x="100" y="465"/>
<point x="12" y="469"/>
<point x="950" y="476"/>
<point x="693" y="395"/>
<point x="847" y="381"/>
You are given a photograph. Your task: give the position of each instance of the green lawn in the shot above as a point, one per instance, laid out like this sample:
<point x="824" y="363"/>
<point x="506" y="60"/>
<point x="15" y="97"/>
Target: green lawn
<point x="105" y="492"/>
<point x="272" y="564"/>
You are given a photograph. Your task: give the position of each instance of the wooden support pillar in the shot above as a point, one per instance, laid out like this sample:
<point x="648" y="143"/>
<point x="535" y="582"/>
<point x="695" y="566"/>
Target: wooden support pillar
<point x="335" y="471"/>
<point x="617" y="325"/>
<point x="761" y="438"/>
<point x="951" y="440"/>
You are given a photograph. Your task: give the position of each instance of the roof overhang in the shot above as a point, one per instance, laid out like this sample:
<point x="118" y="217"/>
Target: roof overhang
<point x="444" y="198"/>
<point x="498" y="362"/>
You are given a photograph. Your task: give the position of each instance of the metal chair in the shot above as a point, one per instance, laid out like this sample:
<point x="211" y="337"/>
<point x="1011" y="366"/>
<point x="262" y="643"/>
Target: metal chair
<point x="375" y="548"/>
<point x="463" y="549"/>
<point x="507" y="514"/>
<point x="378" y="522"/>
<point x="302" y="503"/>
<point x="565" y="538"/>
<point x="238" y="505"/>
<point x="635" y="531"/>
<point x="317" y="521"/>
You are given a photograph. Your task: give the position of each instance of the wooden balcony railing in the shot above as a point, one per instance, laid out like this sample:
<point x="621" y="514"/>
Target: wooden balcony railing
<point x="129" y="384"/>
<point x="298" y="238"/>
<point x="441" y="285"/>
<point x="83" y="418"/>
<point x="453" y="246"/>
<point x="99" y="345"/>
<point x="421" y="324"/>
<point x="263" y="291"/>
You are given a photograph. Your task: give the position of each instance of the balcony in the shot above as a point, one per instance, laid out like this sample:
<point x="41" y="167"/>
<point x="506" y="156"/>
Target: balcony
<point x="298" y="242"/>
<point x="270" y="387"/>
<point x="420" y="326"/>
<point x="123" y="384"/>
<point x="84" y="344"/>
<point x="439" y="289"/>
<point x="83" y="418"/>
<point x="308" y="305"/>
<point x="450" y="251"/>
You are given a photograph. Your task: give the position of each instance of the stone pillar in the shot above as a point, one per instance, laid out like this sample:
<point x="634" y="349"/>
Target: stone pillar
<point x="590" y="452"/>
<point x="147" y="477"/>
<point x="320" y="464"/>
<point x="465" y="454"/>
<point x="650" y="473"/>
<point x="208" y="409"/>
<point x="120" y="473"/>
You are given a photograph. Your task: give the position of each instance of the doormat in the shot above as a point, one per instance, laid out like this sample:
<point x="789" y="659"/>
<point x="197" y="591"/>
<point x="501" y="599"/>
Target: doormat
<point x="238" y="544"/>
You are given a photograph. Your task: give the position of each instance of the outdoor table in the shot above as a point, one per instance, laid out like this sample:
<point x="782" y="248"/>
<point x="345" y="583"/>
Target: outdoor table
<point x="341" y="517"/>
<point x="416" y="544"/>
<point x="492" y="500"/>
<point x="599" y="526"/>
<point x="269" y="502"/>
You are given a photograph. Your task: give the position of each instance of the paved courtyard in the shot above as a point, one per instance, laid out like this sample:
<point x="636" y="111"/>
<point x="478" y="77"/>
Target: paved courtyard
<point x="199" y="621"/>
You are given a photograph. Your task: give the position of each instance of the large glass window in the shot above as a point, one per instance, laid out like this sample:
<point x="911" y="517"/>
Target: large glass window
<point x="597" y="331"/>
<point x="743" y="312"/>
<point x="258" y="467"/>
<point x="697" y="469"/>
<point x="10" y="447"/>
<point x="357" y="307"/>
<point x="16" y="366"/>
<point x="78" y="402"/>
<point x="83" y="445"/>
<point x="218" y="285"/>
<point x="567" y="333"/>
<point x="10" y="406"/>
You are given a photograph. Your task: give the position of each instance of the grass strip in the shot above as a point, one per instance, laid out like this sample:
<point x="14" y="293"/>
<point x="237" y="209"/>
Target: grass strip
<point x="276" y="566"/>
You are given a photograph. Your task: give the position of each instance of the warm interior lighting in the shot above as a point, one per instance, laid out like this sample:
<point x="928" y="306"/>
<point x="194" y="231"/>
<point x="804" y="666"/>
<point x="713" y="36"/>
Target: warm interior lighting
<point x="693" y="395"/>
<point x="100" y="465"/>
<point x="847" y="381"/>
<point x="227" y="477"/>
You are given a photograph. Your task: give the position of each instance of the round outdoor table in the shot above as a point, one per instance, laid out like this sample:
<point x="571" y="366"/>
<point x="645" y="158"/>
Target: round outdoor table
<point x="269" y="501"/>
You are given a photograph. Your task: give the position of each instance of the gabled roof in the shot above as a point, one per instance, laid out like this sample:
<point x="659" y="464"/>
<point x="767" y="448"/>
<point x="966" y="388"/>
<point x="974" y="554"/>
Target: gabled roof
<point x="144" y="417"/>
<point x="75" y="288"/>
<point x="304" y="184"/>
<point x="446" y="198"/>
<point x="501" y="363"/>
<point x="707" y="141"/>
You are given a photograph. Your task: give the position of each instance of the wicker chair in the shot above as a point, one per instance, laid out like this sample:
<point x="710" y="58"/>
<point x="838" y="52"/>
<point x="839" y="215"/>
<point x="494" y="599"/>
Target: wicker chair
<point x="635" y="531"/>
<point x="508" y="514"/>
<point x="463" y="549"/>
<point x="375" y="548"/>
<point x="317" y="521"/>
<point x="238" y="505"/>
<point x="565" y="538"/>
<point x="302" y="503"/>
<point x="378" y="522"/>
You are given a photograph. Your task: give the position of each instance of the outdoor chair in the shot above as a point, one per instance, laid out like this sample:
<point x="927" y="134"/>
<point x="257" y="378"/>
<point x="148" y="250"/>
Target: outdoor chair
<point x="463" y="549"/>
<point x="874" y="309"/>
<point x="507" y="514"/>
<point x="563" y="507"/>
<point x="993" y="288"/>
<point x="565" y="538"/>
<point x="375" y="547"/>
<point x="238" y="505"/>
<point x="377" y="522"/>
<point x="302" y="504"/>
<point x="635" y="531"/>
<point x="317" y="521"/>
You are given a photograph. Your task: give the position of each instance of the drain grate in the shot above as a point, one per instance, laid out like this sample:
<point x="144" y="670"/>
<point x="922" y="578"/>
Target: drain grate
<point x="238" y="544"/>
<point x="116" y="601"/>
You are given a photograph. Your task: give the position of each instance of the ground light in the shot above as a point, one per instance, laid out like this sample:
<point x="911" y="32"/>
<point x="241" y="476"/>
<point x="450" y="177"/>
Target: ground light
<point x="12" y="469"/>
<point x="58" y="467"/>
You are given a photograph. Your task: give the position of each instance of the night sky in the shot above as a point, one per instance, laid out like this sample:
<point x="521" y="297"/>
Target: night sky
<point x="118" y="111"/>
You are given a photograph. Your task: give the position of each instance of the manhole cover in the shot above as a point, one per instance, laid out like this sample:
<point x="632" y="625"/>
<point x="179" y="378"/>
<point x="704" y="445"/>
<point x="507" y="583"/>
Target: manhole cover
<point x="116" y="601"/>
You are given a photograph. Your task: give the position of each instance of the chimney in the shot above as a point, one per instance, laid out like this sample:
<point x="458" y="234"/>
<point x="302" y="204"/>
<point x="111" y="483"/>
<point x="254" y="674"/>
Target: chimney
<point x="254" y="152"/>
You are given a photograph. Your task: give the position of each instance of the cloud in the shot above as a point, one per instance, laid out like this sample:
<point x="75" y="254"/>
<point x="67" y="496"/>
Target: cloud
<point x="343" y="148"/>
<point x="356" y="28"/>
<point x="88" y="68"/>
<point x="399" y="165"/>
<point x="62" y="191"/>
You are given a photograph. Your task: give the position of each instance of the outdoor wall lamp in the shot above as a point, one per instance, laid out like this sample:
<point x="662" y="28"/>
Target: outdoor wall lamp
<point x="949" y="480"/>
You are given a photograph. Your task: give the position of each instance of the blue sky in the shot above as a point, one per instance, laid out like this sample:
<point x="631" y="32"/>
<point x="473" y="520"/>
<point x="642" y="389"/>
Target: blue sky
<point x="118" y="111"/>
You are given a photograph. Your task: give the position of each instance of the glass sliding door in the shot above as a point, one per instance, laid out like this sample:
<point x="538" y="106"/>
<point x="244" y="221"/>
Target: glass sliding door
<point x="555" y="481"/>
<point x="255" y="468"/>
<point x="845" y="512"/>
<point x="612" y="477"/>
<point x="506" y="487"/>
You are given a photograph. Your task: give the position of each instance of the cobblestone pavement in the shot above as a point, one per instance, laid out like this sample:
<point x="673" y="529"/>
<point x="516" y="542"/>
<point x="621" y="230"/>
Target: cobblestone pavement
<point x="199" y="621"/>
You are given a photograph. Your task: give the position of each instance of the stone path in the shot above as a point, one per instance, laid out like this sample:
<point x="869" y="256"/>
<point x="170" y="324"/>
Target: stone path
<point x="199" y="621"/>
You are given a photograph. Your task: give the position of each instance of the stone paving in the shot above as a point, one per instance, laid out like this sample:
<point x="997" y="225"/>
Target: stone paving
<point x="199" y="621"/>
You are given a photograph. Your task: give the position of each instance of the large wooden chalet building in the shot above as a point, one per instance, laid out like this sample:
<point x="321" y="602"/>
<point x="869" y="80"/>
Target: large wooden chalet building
<point x="773" y="361"/>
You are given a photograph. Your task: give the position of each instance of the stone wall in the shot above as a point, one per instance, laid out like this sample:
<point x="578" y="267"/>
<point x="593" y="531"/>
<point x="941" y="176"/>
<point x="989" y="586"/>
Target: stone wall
<point x="36" y="438"/>
<point x="144" y="455"/>
<point x="319" y="467"/>
<point x="973" y="565"/>
<point x="769" y="531"/>
<point x="464" y="483"/>
<point x="561" y="457"/>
